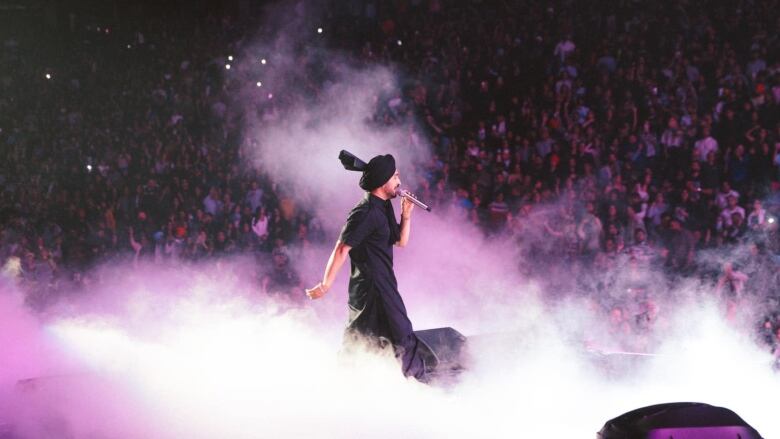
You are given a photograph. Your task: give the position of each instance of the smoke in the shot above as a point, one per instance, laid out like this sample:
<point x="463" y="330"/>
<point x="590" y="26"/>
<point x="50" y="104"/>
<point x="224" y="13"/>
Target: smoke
<point x="195" y="351"/>
<point x="20" y="355"/>
<point x="194" y="354"/>
<point x="314" y="102"/>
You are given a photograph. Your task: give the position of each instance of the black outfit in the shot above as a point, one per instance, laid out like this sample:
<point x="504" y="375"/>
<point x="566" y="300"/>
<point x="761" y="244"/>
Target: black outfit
<point x="681" y="244"/>
<point x="282" y="280"/>
<point x="376" y="309"/>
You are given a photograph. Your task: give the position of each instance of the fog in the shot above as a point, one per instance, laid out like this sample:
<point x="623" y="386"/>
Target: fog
<point x="194" y="350"/>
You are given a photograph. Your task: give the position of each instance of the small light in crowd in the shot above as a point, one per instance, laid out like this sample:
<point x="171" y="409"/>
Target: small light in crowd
<point x="319" y="30"/>
<point x="99" y="29"/>
<point x="262" y="61"/>
<point x="771" y="220"/>
<point x="227" y="66"/>
<point x="230" y="57"/>
<point x="89" y="168"/>
<point x="48" y="76"/>
<point x="129" y="46"/>
<point x="259" y="84"/>
<point x="270" y="95"/>
<point x="108" y="30"/>
<point x="400" y="43"/>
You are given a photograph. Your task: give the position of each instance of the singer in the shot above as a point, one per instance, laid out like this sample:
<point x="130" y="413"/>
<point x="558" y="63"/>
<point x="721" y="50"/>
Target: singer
<point x="376" y="310"/>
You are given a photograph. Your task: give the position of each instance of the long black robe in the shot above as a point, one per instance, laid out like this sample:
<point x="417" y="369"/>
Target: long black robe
<point x="376" y="309"/>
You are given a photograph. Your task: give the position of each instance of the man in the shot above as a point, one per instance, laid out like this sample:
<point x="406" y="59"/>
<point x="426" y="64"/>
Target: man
<point x="722" y="197"/>
<point x="680" y="247"/>
<point x="705" y="145"/>
<point x="725" y="218"/>
<point x="282" y="280"/>
<point x="376" y="310"/>
<point x="640" y="250"/>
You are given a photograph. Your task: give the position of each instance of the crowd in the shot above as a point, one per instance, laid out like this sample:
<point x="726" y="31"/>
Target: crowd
<point x="621" y="139"/>
<point x="613" y="143"/>
<point x="119" y="147"/>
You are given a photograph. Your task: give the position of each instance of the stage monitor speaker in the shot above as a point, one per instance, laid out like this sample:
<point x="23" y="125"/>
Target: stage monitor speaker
<point x="679" y="420"/>
<point x="443" y="349"/>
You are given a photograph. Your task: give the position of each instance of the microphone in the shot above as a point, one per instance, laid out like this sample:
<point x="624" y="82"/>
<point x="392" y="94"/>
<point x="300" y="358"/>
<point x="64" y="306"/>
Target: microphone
<point x="408" y="195"/>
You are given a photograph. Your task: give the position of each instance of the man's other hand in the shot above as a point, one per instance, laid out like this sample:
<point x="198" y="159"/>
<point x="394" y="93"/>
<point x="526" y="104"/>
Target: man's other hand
<point x="316" y="292"/>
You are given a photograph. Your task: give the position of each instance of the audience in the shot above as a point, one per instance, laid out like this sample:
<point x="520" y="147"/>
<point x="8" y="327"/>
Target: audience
<point x="610" y="136"/>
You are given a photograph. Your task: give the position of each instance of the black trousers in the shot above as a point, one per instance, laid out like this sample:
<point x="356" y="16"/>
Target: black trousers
<point x="382" y="320"/>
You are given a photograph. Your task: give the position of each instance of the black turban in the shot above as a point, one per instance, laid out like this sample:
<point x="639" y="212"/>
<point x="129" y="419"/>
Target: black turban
<point x="377" y="172"/>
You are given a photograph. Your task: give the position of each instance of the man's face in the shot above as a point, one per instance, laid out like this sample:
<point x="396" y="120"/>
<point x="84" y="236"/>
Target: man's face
<point x="392" y="185"/>
<point x="280" y="260"/>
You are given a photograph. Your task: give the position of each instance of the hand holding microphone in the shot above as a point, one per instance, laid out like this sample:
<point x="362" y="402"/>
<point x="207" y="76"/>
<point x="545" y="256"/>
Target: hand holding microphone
<point x="406" y="209"/>
<point x="410" y="197"/>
